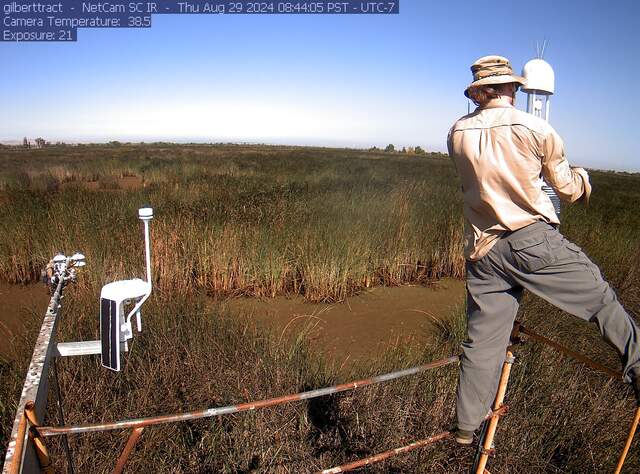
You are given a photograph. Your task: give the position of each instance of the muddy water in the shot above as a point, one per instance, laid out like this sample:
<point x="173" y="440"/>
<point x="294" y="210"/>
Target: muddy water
<point x="363" y="326"/>
<point x="360" y="328"/>
<point x="17" y="304"/>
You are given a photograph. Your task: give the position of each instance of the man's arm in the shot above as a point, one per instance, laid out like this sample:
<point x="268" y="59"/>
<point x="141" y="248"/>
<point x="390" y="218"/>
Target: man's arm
<point x="570" y="184"/>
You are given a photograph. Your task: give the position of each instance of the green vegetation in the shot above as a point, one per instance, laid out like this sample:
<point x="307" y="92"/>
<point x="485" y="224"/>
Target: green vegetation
<point x="324" y="223"/>
<point x="235" y="220"/>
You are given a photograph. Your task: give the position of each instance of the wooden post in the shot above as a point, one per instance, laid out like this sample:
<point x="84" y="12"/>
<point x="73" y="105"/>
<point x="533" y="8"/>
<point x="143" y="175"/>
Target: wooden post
<point x="124" y="456"/>
<point x="38" y="442"/>
<point x="632" y="433"/>
<point x="493" y="422"/>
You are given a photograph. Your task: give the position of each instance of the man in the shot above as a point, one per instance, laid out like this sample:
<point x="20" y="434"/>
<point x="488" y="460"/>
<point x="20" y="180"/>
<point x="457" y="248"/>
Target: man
<point x="512" y="241"/>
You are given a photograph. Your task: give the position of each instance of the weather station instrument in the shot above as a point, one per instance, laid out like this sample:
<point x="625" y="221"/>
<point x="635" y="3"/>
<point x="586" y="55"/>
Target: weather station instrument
<point x="120" y="301"/>
<point x="539" y="87"/>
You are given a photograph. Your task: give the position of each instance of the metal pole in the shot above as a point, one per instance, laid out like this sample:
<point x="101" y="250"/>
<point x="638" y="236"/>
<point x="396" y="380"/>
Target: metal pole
<point x="128" y="448"/>
<point x="493" y="422"/>
<point x="547" y="108"/>
<point x="65" y="438"/>
<point x="479" y="447"/>
<point x="147" y="250"/>
<point x="16" y="463"/>
<point x="632" y="432"/>
<point x="575" y="355"/>
<point x="533" y="104"/>
<point x="254" y="405"/>
<point x="405" y="449"/>
<point x="35" y="388"/>
<point x="387" y="454"/>
<point x="38" y="443"/>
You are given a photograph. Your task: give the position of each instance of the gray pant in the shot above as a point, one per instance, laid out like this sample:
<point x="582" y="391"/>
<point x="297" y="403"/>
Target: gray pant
<point x="537" y="258"/>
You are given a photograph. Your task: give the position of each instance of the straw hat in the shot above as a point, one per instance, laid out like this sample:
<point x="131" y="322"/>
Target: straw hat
<point x="492" y="70"/>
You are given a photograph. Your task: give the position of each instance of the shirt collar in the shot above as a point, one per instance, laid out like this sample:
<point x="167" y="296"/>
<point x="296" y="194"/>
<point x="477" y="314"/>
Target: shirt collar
<point x="497" y="105"/>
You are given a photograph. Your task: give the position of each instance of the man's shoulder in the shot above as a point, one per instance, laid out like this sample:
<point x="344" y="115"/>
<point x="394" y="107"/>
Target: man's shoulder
<point x="530" y="121"/>
<point x="464" y="122"/>
<point x="500" y="117"/>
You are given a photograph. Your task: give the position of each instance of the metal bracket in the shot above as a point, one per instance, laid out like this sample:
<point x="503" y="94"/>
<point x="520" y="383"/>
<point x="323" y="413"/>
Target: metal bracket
<point x="515" y="334"/>
<point x="70" y="349"/>
<point x="491" y="452"/>
<point x="502" y="411"/>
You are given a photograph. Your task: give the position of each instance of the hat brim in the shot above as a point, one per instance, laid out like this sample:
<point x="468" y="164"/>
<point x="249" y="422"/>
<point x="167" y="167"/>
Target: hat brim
<point x="502" y="79"/>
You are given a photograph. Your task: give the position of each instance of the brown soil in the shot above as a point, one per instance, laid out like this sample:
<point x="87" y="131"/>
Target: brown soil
<point x="17" y="304"/>
<point x="127" y="183"/>
<point x="362" y="326"/>
<point x="130" y="183"/>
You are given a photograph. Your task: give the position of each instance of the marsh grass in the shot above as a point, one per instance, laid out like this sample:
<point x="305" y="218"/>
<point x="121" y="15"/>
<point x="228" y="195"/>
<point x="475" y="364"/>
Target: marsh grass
<point x="262" y="221"/>
<point x="192" y="355"/>
<point x="237" y="220"/>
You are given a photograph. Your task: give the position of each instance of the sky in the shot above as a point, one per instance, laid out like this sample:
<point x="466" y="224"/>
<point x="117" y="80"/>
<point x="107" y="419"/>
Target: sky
<point x="352" y="80"/>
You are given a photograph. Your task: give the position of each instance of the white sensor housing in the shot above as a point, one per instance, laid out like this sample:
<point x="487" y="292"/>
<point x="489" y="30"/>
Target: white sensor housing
<point x="540" y="77"/>
<point x="145" y="213"/>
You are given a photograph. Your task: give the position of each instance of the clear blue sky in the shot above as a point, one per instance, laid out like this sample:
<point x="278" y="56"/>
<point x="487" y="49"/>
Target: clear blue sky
<point x="329" y="80"/>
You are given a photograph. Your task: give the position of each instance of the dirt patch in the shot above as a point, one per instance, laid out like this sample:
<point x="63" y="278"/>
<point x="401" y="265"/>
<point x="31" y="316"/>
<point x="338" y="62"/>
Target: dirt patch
<point x="18" y="303"/>
<point x="127" y="183"/>
<point x="362" y="326"/>
<point x="130" y="183"/>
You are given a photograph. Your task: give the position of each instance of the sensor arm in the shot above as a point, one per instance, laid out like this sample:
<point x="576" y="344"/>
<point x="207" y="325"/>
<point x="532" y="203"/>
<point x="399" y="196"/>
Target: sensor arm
<point x="145" y="214"/>
<point x="147" y="251"/>
<point x="137" y="307"/>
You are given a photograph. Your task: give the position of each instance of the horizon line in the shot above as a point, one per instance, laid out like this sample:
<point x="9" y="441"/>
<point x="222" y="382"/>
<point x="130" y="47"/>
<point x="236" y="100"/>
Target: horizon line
<point x="201" y="141"/>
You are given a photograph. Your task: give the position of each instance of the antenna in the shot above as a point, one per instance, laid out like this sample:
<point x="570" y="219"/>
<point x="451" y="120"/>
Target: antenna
<point x="540" y="49"/>
<point x="544" y="46"/>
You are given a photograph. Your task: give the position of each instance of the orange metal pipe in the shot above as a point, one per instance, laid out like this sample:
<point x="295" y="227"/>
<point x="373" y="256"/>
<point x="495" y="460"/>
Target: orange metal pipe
<point x="128" y="448"/>
<point x="498" y="403"/>
<point x="36" y="439"/>
<point x="576" y="355"/>
<point x="387" y="454"/>
<point x="254" y="405"/>
<point x="405" y="449"/>
<point x="632" y="432"/>
<point x="16" y="465"/>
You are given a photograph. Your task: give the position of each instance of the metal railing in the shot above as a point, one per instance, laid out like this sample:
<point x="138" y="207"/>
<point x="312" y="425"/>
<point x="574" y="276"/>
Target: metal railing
<point x="47" y="431"/>
<point x="27" y="450"/>
<point x="21" y="453"/>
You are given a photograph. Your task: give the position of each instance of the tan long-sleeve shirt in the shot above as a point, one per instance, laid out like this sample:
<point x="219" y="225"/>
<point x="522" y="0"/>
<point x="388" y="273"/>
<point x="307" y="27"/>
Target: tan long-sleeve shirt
<point x="501" y="154"/>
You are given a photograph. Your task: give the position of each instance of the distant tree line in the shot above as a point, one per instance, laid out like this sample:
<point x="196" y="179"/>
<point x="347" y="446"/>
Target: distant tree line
<point x="390" y="148"/>
<point x="38" y="143"/>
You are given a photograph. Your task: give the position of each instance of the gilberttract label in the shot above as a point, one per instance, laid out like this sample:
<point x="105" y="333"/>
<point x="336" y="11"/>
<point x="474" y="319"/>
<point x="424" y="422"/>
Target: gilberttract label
<point x="60" y="21"/>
